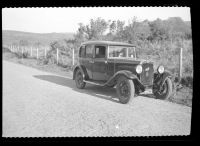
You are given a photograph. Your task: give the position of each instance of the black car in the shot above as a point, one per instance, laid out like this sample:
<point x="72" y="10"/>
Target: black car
<point x="115" y="64"/>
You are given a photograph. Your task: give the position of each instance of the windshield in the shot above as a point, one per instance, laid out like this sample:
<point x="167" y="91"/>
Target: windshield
<point x="122" y="51"/>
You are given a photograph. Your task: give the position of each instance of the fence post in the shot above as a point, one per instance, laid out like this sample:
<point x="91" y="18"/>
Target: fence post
<point x="31" y="51"/>
<point x="134" y="53"/>
<point x="37" y="53"/>
<point x="45" y="52"/>
<point x="73" y="56"/>
<point x="22" y="52"/>
<point x="180" y="63"/>
<point x="57" y="56"/>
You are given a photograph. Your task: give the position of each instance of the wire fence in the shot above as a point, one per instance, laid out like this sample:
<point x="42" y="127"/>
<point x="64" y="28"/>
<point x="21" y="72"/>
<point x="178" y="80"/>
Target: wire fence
<point x="59" y="56"/>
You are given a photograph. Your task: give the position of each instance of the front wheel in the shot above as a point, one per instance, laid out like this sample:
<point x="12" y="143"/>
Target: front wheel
<point x="79" y="80"/>
<point x="125" y="89"/>
<point x="165" y="91"/>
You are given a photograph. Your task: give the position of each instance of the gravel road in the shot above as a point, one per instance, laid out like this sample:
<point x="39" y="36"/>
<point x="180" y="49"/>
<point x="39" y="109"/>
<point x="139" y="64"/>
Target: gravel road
<point x="41" y="104"/>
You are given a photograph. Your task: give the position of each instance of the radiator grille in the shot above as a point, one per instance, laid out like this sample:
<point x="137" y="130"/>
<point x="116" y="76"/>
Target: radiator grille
<point x="147" y="74"/>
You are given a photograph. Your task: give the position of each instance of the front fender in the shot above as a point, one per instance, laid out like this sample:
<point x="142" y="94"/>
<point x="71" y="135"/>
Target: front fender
<point x="138" y="86"/>
<point x="159" y="79"/>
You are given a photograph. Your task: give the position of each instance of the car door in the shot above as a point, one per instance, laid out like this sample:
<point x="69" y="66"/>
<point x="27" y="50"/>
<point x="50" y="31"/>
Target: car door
<point x="100" y="63"/>
<point x="88" y="60"/>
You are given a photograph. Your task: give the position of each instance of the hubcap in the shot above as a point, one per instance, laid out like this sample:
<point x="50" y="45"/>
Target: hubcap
<point x="164" y="89"/>
<point x="124" y="89"/>
<point x="79" y="79"/>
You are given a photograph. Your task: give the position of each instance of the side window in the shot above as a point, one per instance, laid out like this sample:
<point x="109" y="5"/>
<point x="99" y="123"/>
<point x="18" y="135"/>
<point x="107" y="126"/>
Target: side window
<point x="100" y="51"/>
<point x="82" y="52"/>
<point x="89" y="51"/>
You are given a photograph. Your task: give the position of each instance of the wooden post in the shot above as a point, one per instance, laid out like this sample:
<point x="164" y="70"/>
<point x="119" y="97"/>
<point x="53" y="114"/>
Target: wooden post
<point x="37" y="53"/>
<point x="31" y="51"/>
<point x="57" y="56"/>
<point x="45" y="52"/>
<point x="180" y="63"/>
<point x="73" y="56"/>
<point x="134" y="53"/>
<point x="22" y="52"/>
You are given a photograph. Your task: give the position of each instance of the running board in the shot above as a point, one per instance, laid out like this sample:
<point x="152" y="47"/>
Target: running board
<point x="90" y="82"/>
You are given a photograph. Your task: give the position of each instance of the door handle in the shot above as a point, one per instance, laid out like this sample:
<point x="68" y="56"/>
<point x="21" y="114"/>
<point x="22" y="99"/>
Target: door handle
<point x="91" y="61"/>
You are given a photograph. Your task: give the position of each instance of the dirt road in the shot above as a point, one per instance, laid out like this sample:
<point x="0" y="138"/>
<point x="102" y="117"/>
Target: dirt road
<point x="41" y="104"/>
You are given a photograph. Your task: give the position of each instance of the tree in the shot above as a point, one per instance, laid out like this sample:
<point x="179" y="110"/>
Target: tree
<point x="92" y="31"/>
<point x="159" y="31"/>
<point x="113" y="27"/>
<point x="178" y="28"/>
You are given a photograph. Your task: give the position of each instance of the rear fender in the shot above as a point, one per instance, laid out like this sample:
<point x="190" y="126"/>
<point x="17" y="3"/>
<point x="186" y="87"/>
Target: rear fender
<point x="82" y="69"/>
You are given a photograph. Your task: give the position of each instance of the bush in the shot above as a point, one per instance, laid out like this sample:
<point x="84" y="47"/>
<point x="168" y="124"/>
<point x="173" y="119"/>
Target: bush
<point x="187" y="81"/>
<point x="42" y="61"/>
<point x="6" y="50"/>
<point x="18" y="54"/>
<point x="25" y="54"/>
<point x="64" y="65"/>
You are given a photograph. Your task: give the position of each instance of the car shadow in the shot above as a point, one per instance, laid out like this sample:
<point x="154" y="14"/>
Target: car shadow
<point x="147" y="95"/>
<point x="94" y="90"/>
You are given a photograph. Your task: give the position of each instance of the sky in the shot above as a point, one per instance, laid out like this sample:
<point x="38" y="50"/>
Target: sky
<point x="48" y="20"/>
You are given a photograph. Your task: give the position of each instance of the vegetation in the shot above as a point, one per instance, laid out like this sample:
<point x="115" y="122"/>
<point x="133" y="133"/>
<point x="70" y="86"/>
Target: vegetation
<point x="157" y="40"/>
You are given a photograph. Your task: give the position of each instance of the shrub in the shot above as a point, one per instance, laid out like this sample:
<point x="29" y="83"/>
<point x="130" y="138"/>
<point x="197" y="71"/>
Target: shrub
<point x="64" y="65"/>
<point x="18" y="54"/>
<point x="25" y="54"/>
<point x="187" y="81"/>
<point x="42" y="61"/>
<point x="6" y="50"/>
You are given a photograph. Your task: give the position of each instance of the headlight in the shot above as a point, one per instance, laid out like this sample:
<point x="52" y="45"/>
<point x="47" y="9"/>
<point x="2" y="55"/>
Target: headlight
<point x="139" y="69"/>
<point x="161" y="69"/>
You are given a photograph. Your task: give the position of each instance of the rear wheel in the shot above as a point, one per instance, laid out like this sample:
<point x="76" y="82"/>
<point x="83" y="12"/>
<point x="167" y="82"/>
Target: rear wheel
<point x="125" y="89"/>
<point x="166" y="90"/>
<point x="79" y="80"/>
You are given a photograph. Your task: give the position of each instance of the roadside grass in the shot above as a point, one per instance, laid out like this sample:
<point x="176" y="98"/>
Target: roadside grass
<point x="182" y="96"/>
<point x="38" y="64"/>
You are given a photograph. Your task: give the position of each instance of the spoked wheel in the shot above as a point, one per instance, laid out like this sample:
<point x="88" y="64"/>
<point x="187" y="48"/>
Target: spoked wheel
<point x="79" y="80"/>
<point x="165" y="91"/>
<point x="125" y="89"/>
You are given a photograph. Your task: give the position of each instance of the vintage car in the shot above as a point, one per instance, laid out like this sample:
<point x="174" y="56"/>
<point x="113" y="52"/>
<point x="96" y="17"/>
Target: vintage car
<point x="115" y="64"/>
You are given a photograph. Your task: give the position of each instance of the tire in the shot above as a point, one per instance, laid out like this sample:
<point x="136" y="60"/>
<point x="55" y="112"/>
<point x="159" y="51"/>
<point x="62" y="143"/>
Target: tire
<point x="166" y="90"/>
<point x="79" y="79"/>
<point x="125" y="89"/>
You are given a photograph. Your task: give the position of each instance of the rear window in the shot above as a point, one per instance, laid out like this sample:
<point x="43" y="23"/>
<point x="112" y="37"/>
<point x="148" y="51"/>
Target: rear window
<point x="100" y="51"/>
<point x="89" y="51"/>
<point x="82" y="51"/>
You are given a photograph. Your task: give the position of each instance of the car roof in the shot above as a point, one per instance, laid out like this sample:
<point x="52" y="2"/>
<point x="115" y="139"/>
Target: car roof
<point x="108" y="43"/>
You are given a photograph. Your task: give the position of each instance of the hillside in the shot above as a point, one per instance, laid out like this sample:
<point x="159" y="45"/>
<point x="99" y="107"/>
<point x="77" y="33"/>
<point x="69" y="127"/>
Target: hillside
<point x="10" y="37"/>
